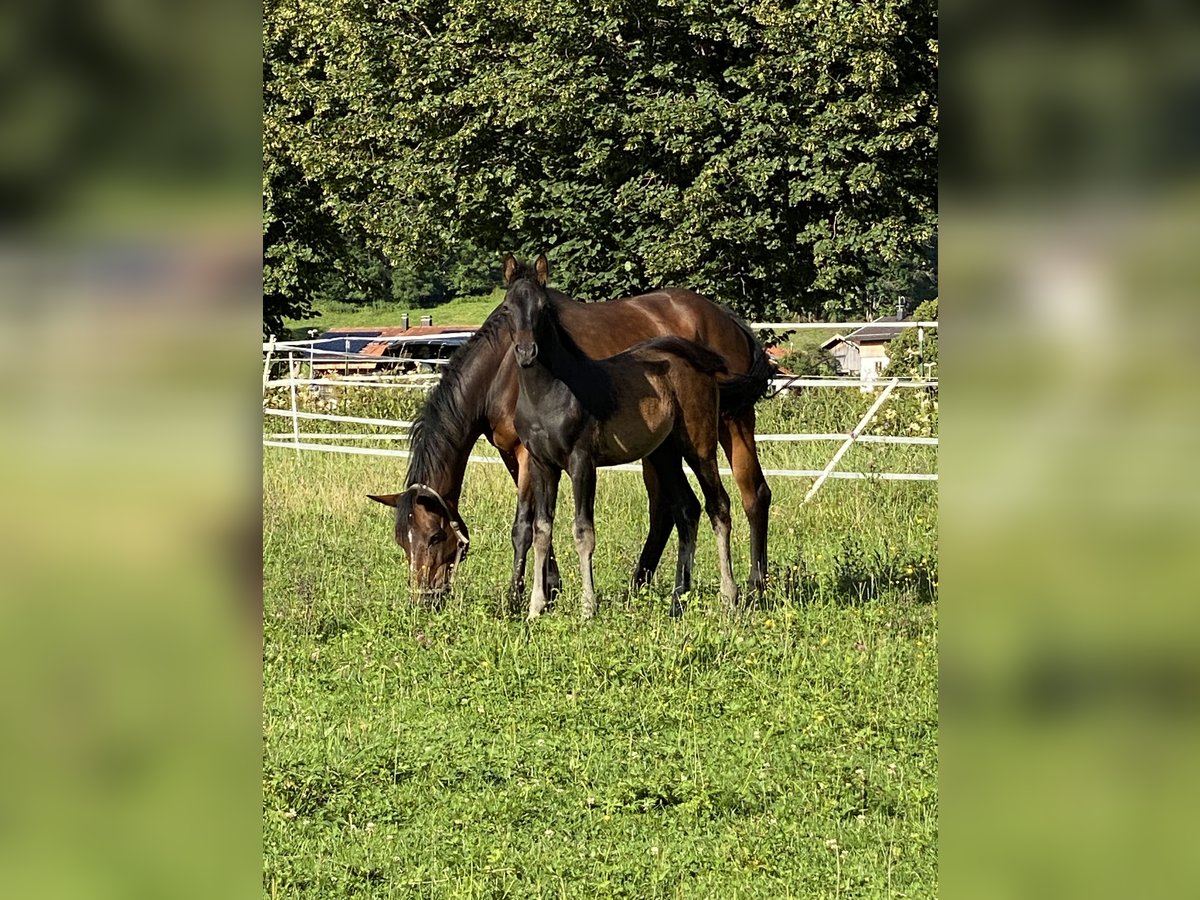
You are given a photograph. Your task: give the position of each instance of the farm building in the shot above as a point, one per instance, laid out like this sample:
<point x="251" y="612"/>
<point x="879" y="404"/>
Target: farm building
<point x="864" y="352"/>
<point x="362" y="351"/>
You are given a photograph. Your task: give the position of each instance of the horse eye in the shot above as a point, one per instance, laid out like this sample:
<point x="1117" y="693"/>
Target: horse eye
<point x="437" y="538"/>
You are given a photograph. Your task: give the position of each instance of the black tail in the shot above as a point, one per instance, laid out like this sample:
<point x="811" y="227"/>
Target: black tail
<point x="738" y="392"/>
<point x="700" y="358"/>
<point x="741" y="392"/>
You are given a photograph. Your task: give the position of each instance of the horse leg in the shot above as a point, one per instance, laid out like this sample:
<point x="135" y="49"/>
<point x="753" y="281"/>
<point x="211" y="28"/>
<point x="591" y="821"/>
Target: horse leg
<point x="583" y="485"/>
<point x="545" y="490"/>
<point x="737" y="438"/>
<point x="660" y="528"/>
<point x="522" y="540"/>
<point x="716" y="504"/>
<point x="685" y="509"/>
<point x="522" y="532"/>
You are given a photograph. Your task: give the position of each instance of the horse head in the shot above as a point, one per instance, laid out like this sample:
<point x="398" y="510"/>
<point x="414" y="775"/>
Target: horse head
<point x="433" y="536"/>
<point x="525" y="300"/>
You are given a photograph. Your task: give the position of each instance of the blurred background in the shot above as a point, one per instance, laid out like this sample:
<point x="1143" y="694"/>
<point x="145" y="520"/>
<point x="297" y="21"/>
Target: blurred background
<point x="130" y="275"/>
<point x="1070" y="504"/>
<point x="130" y="255"/>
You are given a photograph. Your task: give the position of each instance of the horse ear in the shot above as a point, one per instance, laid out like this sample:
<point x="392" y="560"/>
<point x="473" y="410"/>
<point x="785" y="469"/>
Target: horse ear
<point x="385" y="499"/>
<point x="510" y="267"/>
<point x="542" y="266"/>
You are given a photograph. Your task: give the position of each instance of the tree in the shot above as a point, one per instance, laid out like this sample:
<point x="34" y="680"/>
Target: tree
<point x="780" y="157"/>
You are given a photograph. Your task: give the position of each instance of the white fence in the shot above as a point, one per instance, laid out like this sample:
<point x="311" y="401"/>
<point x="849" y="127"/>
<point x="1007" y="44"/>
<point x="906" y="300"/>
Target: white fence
<point x="297" y="354"/>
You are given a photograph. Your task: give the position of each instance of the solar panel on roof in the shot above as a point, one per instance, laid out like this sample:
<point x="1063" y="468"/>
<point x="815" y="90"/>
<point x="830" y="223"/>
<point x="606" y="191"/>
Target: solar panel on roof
<point x="324" y="349"/>
<point x="351" y="334"/>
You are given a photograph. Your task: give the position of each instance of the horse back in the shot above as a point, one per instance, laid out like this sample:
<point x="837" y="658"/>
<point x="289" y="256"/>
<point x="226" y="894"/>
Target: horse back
<point x="605" y="329"/>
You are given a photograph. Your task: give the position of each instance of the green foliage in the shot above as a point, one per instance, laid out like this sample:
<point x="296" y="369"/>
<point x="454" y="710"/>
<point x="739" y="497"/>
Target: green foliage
<point x="809" y="362"/>
<point x="781" y="158"/>
<point x="911" y="356"/>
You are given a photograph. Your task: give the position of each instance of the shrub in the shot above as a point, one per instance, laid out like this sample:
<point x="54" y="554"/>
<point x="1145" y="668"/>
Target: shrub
<point x="909" y="358"/>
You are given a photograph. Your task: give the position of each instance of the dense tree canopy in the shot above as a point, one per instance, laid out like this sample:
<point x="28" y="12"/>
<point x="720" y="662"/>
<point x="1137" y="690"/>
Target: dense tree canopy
<point x="779" y="156"/>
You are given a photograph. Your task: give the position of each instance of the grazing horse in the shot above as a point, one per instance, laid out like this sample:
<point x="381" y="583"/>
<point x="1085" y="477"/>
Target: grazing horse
<point x="659" y="399"/>
<point x="477" y="395"/>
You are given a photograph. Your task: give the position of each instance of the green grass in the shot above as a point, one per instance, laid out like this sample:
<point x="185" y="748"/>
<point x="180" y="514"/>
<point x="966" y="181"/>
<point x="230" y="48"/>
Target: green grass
<point x="459" y="311"/>
<point x="790" y="752"/>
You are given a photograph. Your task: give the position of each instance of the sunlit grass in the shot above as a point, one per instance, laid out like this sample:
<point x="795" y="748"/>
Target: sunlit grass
<point x="791" y="751"/>
<point x="459" y="311"/>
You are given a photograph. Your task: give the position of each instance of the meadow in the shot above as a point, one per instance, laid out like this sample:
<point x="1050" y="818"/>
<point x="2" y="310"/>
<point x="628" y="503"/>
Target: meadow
<point x="789" y="751"/>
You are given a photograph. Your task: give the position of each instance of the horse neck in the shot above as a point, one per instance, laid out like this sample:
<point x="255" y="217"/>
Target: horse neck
<point x="450" y="424"/>
<point x="560" y="362"/>
<point x="555" y="363"/>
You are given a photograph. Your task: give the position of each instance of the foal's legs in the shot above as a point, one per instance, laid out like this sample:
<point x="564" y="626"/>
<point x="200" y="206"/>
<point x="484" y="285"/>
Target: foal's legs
<point x="737" y="438"/>
<point x="583" y="486"/>
<point x="716" y="504"/>
<point x="522" y="533"/>
<point x="545" y="491"/>
<point x="685" y="509"/>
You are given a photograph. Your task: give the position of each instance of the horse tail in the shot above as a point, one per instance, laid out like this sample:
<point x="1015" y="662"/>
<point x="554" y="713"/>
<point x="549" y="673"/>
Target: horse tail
<point x="741" y="392"/>
<point x="703" y="360"/>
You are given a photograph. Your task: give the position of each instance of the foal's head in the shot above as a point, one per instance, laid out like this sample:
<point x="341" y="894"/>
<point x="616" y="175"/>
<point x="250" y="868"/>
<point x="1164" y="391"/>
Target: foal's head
<point x="525" y="300"/>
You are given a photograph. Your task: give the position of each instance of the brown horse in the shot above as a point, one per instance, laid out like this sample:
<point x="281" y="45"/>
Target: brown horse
<point x="657" y="400"/>
<point x="477" y="395"/>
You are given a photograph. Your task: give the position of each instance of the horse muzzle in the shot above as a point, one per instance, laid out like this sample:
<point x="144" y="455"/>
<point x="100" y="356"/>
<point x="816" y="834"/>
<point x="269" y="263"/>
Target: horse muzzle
<point x="526" y="353"/>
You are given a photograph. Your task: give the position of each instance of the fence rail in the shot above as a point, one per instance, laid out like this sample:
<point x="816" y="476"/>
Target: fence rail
<point x="287" y="353"/>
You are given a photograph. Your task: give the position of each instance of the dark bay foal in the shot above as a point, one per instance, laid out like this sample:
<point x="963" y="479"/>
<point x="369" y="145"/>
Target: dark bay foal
<point x="658" y="401"/>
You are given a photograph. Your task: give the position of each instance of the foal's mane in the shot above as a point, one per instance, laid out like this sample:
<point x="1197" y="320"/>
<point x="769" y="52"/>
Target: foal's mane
<point x="453" y="408"/>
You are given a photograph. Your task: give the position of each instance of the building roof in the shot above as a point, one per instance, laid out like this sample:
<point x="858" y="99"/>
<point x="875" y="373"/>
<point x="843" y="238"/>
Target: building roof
<point x="877" y="332"/>
<point x="378" y="341"/>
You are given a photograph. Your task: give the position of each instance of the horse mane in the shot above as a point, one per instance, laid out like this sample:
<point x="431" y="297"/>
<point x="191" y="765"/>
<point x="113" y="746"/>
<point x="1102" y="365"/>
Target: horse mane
<point x="453" y="407"/>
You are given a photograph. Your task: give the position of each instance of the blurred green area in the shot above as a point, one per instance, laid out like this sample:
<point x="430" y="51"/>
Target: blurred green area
<point x="1070" y="502"/>
<point x="130" y="628"/>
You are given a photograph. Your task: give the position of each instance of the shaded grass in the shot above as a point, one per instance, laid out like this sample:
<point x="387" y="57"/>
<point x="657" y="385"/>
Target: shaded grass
<point x="787" y="752"/>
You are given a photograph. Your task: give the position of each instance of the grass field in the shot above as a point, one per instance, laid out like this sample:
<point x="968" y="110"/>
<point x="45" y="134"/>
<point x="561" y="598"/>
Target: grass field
<point x="790" y="752"/>
<point x="459" y="311"/>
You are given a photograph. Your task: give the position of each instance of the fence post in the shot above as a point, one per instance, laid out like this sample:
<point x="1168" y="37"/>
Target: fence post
<point x="267" y="363"/>
<point x="292" y="386"/>
<point x="853" y="436"/>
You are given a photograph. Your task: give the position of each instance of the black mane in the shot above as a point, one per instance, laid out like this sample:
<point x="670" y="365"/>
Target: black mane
<point x="452" y="411"/>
